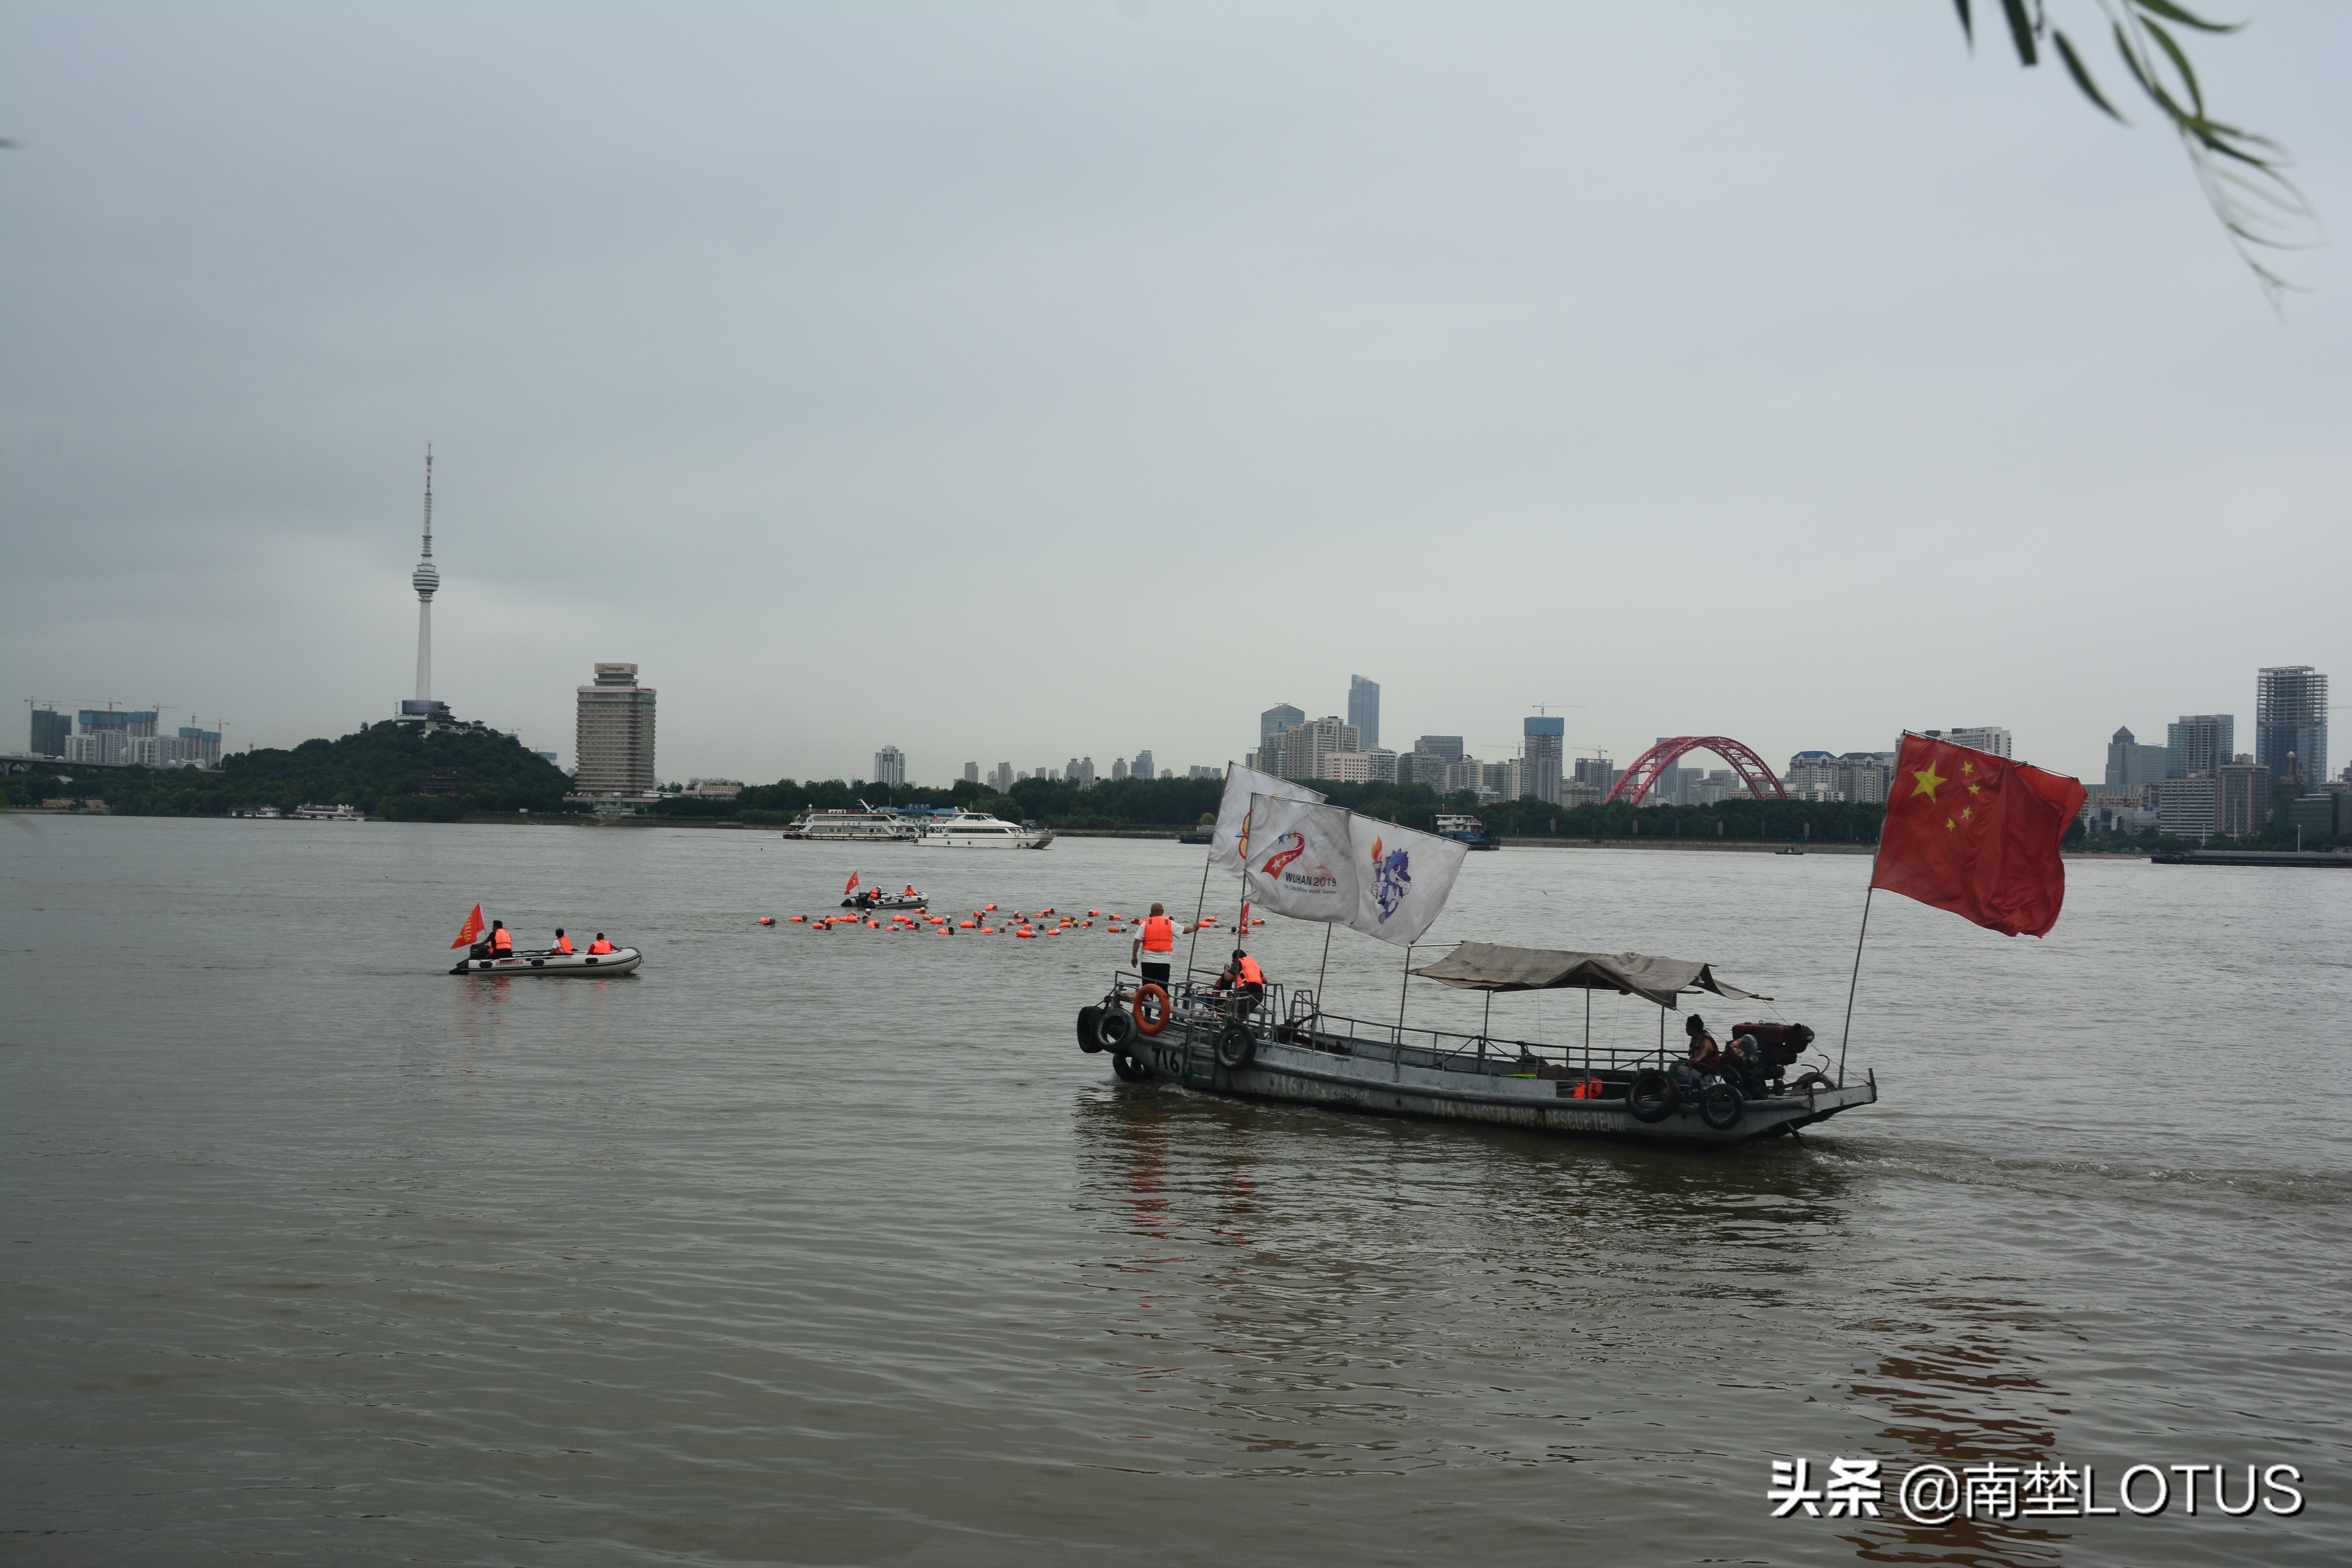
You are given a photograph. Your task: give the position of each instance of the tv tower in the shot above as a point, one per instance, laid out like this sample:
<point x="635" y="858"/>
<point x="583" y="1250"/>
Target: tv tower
<point x="426" y="578"/>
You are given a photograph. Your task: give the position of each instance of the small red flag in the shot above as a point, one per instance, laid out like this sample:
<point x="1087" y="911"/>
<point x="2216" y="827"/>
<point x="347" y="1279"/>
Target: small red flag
<point x="1976" y="834"/>
<point x="853" y="884"/>
<point x="473" y="929"/>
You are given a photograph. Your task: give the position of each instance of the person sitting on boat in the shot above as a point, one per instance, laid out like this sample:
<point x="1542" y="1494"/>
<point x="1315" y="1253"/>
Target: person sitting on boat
<point x="1706" y="1054"/>
<point x="910" y="891"/>
<point x="1245" y="980"/>
<point x="499" y="942"/>
<point x="562" y="943"/>
<point x="600" y="946"/>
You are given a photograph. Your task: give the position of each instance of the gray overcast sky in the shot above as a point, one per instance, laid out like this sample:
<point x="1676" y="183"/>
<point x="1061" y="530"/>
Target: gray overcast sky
<point x="1010" y="382"/>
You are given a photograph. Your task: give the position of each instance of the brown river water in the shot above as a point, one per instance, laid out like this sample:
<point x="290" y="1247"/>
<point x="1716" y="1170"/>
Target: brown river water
<point x="817" y="1248"/>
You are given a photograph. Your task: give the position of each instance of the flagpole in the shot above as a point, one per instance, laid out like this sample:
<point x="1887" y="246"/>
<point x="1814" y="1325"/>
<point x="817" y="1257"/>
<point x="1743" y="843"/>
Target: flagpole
<point x="1855" y="982"/>
<point x="1401" y="983"/>
<point x="1856" y="979"/>
<point x="1201" y="904"/>
<point x="1326" y="965"/>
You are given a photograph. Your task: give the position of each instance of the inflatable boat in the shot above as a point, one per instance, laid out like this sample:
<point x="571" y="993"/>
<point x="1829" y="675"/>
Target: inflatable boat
<point x="887" y="902"/>
<point x="620" y="961"/>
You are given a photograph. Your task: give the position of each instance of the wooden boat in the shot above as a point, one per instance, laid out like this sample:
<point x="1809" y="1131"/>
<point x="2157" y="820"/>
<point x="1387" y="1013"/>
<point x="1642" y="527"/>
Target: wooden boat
<point x="620" y="961"/>
<point x="1289" y="1049"/>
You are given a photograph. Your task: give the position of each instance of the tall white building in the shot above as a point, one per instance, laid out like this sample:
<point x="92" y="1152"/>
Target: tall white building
<point x="1983" y="738"/>
<point x="889" y="767"/>
<point x="1142" y="766"/>
<point x="971" y="772"/>
<point x="613" y="743"/>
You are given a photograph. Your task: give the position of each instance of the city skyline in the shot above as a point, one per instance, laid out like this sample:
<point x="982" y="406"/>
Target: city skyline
<point x="1424" y="433"/>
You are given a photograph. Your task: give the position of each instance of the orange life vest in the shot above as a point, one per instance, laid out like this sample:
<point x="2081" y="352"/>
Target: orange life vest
<point x="563" y="944"/>
<point x="502" y="940"/>
<point x="1251" y="974"/>
<point x="1159" y="934"/>
<point x="600" y="945"/>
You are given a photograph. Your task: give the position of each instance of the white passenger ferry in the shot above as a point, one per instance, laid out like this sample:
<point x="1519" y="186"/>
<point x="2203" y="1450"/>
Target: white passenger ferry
<point x="864" y="826"/>
<point x="978" y="830"/>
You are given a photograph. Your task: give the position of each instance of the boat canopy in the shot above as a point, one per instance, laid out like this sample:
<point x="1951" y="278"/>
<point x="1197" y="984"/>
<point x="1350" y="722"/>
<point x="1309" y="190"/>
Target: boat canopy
<point x="1488" y="966"/>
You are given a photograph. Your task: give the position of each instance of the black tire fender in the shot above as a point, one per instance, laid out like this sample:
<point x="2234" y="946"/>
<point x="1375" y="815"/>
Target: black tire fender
<point x="1236" y="1046"/>
<point x="1652" y="1095"/>
<point x="1721" y="1106"/>
<point x="1129" y="1070"/>
<point x="1811" y="1080"/>
<point x="1087" y="1018"/>
<point x="1113" y="1028"/>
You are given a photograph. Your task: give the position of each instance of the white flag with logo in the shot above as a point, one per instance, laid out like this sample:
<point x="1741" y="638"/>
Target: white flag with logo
<point x="1225" y="845"/>
<point x="1402" y="877"/>
<point x="1299" y="862"/>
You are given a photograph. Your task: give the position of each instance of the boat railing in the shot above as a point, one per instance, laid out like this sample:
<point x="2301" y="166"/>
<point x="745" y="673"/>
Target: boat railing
<point x="1295" y="1014"/>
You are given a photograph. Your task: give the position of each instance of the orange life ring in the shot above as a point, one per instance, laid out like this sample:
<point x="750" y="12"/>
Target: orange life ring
<point x="1152" y="988"/>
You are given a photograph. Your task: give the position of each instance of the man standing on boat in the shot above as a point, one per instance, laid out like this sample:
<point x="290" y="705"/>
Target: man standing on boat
<point x="1155" y="946"/>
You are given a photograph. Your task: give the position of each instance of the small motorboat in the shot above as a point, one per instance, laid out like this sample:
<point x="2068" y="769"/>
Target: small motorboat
<point x="620" y="961"/>
<point x="885" y="902"/>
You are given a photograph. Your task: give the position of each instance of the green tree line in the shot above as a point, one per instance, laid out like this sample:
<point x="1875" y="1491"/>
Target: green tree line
<point x="381" y="770"/>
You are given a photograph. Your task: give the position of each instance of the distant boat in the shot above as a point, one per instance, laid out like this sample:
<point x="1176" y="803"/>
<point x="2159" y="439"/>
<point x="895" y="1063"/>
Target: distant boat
<point x="863" y="825"/>
<point x="1203" y="837"/>
<point x="1788" y="851"/>
<point x="1466" y="830"/>
<point x="978" y="830"/>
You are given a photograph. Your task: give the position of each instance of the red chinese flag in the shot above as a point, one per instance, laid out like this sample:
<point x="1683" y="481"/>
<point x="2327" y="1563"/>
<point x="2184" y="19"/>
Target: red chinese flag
<point x="853" y="885"/>
<point x="1976" y="834"/>
<point x="473" y="929"/>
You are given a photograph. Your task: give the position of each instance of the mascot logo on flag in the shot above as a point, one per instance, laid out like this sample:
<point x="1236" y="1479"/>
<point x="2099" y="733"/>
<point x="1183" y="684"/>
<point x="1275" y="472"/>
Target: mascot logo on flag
<point x="1392" y="879"/>
<point x="1294" y="868"/>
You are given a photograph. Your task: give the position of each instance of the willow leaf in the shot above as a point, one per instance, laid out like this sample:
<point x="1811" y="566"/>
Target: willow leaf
<point x="2021" y="31"/>
<point x="2171" y="13"/>
<point x="2075" y="68"/>
<point x="2180" y="63"/>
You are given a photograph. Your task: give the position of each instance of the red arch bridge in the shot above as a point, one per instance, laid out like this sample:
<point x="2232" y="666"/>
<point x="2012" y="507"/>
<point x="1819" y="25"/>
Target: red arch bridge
<point x="1636" y="781"/>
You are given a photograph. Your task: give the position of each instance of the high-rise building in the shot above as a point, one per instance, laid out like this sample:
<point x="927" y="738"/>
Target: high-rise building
<point x="1298" y="752"/>
<point x="2132" y="766"/>
<point x="50" y="729"/>
<point x="1001" y="779"/>
<point x="889" y="767"/>
<point x="1080" y="771"/>
<point x="1364" y="708"/>
<point x="1990" y="738"/>
<point x="2189" y="806"/>
<point x="1446" y="746"/>
<point x="1118" y="768"/>
<point x="971" y="772"/>
<point x="1275" y="719"/>
<point x="1143" y="765"/>
<point x="1544" y="748"/>
<point x="2291" y="715"/>
<point x="2245" y="804"/>
<point x="1382" y="763"/>
<point x="1864" y="775"/>
<point x="1813" y="775"/>
<point x="1422" y="767"/>
<point x="1598" y="773"/>
<point x="2199" y="744"/>
<point x="614" y="744"/>
<point x="202" y="748"/>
